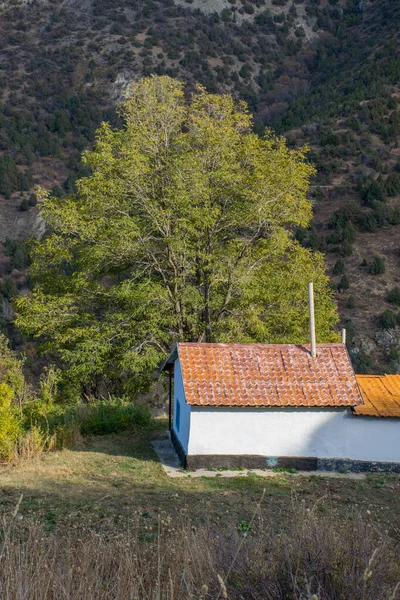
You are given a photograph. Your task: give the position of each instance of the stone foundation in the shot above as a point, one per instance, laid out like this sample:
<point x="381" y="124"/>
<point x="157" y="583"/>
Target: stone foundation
<point x="300" y="463"/>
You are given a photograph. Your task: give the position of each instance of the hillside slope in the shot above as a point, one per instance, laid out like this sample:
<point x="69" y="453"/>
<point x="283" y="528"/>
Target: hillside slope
<point x="325" y="73"/>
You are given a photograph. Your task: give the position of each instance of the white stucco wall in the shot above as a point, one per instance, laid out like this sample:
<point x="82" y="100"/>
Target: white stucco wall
<point x="273" y="432"/>
<point x="374" y="439"/>
<point x="185" y="409"/>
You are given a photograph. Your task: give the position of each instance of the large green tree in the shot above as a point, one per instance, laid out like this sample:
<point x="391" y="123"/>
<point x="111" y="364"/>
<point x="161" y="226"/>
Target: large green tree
<point x="183" y="231"/>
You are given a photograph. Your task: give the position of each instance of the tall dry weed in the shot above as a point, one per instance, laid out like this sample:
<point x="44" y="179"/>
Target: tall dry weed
<point x="314" y="557"/>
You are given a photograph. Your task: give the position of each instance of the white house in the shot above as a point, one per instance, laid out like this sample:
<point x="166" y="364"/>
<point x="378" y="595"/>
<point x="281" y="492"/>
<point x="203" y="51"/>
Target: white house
<point x="275" y="405"/>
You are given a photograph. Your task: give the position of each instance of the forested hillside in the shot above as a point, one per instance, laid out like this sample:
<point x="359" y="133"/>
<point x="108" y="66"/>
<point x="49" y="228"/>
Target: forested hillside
<point x="324" y="73"/>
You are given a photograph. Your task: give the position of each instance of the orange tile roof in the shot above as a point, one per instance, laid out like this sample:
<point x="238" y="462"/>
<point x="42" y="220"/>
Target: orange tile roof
<point x="267" y="375"/>
<point x="381" y="395"/>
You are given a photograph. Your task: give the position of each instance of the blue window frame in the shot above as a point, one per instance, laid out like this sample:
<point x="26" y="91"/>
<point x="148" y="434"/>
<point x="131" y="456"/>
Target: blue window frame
<point x="177" y="415"/>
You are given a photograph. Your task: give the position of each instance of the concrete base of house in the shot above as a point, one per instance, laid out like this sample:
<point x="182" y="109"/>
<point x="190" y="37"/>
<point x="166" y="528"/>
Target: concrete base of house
<point x="300" y="463"/>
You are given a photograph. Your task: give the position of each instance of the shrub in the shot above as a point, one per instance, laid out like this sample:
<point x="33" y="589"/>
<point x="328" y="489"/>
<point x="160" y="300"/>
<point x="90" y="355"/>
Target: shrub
<point x="370" y="223"/>
<point x="373" y="192"/>
<point x="31" y="443"/>
<point x="345" y="249"/>
<point x="95" y="418"/>
<point x="11" y="392"/>
<point x="349" y="213"/>
<point x="18" y="252"/>
<point x="362" y="362"/>
<point x="111" y="417"/>
<point x="388" y="320"/>
<point x="392" y="184"/>
<point x="377" y="267"/>
<point x="32" y="201"/>
<point x="394" y="296"/>
<point x="339" y="267"/>
<point x="9" y="422"/>
<point x="24" y="206"/>
<point x="344" y="282"/>
<point x="351" y="303"/>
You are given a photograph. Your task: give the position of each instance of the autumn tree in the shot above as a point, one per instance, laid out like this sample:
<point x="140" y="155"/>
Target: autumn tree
<point x="182" y="231"/>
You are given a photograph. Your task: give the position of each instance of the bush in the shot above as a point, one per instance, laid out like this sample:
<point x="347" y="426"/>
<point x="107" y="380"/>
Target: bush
<point x="345" y="249"/>
<point x="344" y="283"/>
<point x="349" y="213"/>
<point x="9" y="422"/>
<point x="111" y="417"/>
<point x="373" y="192"/>
<point x="32" y="200"/>
<point x="370" y="223"/>
<point x="394" y="296"/>
<point x="351" y="303"/>
<point x="24" y="206"/>
<point x="11" y="391"/>
<point x="339" y="267"/>
<point x="18" y="252"/>
<point x="388" y="320"/>
<point x="94" y="418"/>
<point x="377" y="267"/>
<point x="392" y="184"/>
<point x="362" y="362"/>
<point x="30" y="444"/>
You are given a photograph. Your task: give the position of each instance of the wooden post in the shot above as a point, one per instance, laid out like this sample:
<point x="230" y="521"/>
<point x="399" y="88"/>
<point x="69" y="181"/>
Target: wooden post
<point x="312" y="319"/>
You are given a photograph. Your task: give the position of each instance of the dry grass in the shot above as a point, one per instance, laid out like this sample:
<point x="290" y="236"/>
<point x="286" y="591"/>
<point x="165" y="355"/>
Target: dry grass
<point x="104" y="521"/>
<point x="311" y="557"/>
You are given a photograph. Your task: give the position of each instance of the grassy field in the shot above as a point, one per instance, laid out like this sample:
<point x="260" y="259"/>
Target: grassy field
<point x="109" y="481"/>
<point x="103" y="521"/>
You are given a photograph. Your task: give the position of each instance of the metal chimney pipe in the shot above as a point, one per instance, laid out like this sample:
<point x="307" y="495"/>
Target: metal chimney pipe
<point x="343" y="336"/>
<point x="312" y="319"/>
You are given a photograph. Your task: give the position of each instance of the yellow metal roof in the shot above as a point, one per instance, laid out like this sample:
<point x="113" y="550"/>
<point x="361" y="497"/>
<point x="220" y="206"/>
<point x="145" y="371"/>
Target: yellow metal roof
<point x="381" y="395"/>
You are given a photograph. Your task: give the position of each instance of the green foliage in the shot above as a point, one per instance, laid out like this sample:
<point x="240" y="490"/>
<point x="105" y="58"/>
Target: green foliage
<point x="181" y="232"/>
<point x="370" y="223"/>
<point x="32" y="201"/>
<point x="394" y="296"/>
<point x="9" y="423"/>
<point x="92" y="418"/>
<point x="351" y="303"/>
<point x="339" y="267"/>
<point x="388" y="319"/>
<point x="377" y="267"/>
<point x="18" y="252"/>
<point x="392" y="184"/>
<point x="344" y="282"/>
<point x="11" y="179"/>
<point x="24" y="206"/>
<point x="111" y="417"/>
<point x="8" y="289"/>
<point x="374" y="191"/>
<point x="362" y="362"/>
<point x="11" y="392"/>
<point x="345" y="249"/>
<point x="348" y="214"/>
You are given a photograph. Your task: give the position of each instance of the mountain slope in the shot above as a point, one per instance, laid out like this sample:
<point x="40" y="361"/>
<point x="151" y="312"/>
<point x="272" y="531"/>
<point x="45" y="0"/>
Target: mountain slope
<point x="320" y="72"/>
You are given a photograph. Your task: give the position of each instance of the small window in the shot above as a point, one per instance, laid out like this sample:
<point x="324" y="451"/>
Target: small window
<point x="177" y="415"/>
